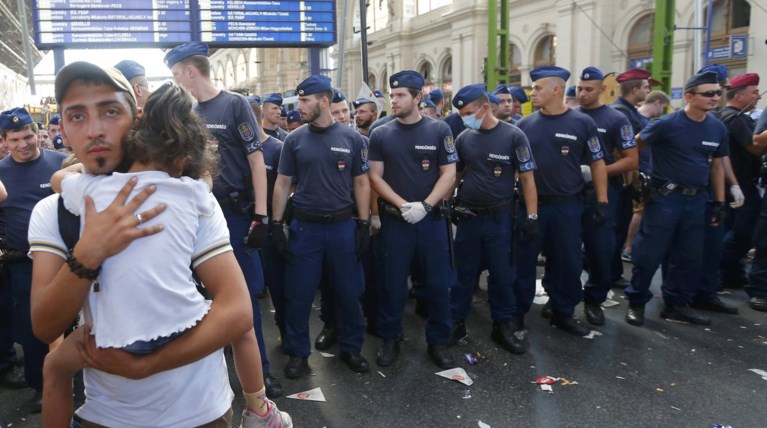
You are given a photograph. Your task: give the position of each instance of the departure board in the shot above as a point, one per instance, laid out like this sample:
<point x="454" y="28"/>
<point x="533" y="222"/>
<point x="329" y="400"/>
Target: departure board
<point x="166" y="23"/>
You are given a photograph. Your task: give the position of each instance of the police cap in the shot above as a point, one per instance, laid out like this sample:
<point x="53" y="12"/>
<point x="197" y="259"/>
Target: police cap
<point x="338" y="96"/>
<point x="58" y="142"/>
<point x="406" y="79"/>
<point x="633" y="74"/>
<point x="698" y="79"/>
<point x="468" y="94"/>
<point x="314" y="84"/>
<point x="184" y="51"/>
<point x="720" y="70"/>
<point x="592" y="73"/>
<point x="15" y="118"/>
<point x="294" y="116"/>
<point x="273" y="98"/>
<point x="549" y="71"/>
<point x="570" y="93"/>
<point x="748" y="79"/>
<point x="501" y="89"/>
<point x="130" y="69"/>
<point x="518" y="94"/>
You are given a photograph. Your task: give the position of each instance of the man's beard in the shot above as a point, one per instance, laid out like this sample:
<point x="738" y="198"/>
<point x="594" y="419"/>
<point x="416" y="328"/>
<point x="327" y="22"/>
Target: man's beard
<point x="315" y="114"/>
<point x="404" y="111"/>
<point x="366" y="124"/>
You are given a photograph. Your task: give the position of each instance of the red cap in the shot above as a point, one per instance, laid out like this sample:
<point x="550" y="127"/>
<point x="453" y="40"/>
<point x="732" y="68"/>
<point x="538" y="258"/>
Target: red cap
<point x="748" y="79"/>
<point x="633" y="74"/>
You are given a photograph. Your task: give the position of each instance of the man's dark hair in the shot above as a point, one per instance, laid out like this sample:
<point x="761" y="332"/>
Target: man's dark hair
<point x="33" y="126"/>
<point x="629" y="85"/>
<point x="328" y="94"/>
<point x="732" y="92"/>
<point x="200" y="62"/>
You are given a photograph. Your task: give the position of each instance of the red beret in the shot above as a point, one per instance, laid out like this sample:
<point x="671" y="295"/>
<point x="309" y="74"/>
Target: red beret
<point x="633" y="74"/>
<point x="748" y="79"/>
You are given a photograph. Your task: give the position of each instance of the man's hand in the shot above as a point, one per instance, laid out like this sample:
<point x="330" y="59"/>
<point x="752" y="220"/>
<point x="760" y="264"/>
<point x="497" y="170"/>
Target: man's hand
<point x="738" y="199"/>
<point x="110" y="231"/>
<point x="375" y="224"/>
<point x="278" y="238"/>
<point x="586" y="173"/>
<point x="413" y="212"/>
<point x="600" y="213"/>
<point x="717" y="213"/>
<point x="258" y="232"/>
<point x="529" y="230"/>
<point x="112" y="360"/>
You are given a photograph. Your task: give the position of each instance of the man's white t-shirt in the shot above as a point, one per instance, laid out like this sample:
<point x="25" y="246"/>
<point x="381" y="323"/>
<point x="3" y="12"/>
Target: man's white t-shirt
<point x="190" y="395"/>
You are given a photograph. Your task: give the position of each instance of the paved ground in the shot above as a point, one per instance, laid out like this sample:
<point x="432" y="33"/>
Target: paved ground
<point x="663" y="374"/>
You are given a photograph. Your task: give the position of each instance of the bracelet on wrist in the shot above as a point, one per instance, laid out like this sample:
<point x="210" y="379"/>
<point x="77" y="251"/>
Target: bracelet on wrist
<point x="81" y="271"/>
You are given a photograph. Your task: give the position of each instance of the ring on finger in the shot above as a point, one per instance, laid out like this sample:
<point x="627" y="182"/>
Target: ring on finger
<point x="140" y="220"/>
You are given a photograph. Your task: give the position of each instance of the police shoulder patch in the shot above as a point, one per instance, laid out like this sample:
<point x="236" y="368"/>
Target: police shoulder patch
<point x="627" y="132"/>
<point x="523" y="154"/>
<point x="449" y="145"/>
<point x="246" y="131"/>
<point x="364" y="154"/>
<point x="594" y="145"/>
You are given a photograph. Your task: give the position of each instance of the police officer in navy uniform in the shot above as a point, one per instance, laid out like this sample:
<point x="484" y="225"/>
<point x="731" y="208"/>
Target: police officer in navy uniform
<point x="379" y="95"/>
<point x="339" y="108"/>
<point x="412" y="168"/>
<point x="682" y="144"/>
<point x="241" y="186"/>
<point x="294" y="120"/>
<point x="490" y="153"/>
<point x="26" y="174"/>
<point x="271" y="105"/>
<point x="757" y="287"/>
<point x="329" y="162"/>
<point x="365" y="113"/>
<point x="438" y="98"/>
<point x="506" y="103"/>
<point x="136" y="76"/>
<point x="742" y="96"/>
<point x="519" y="97"/>
<point x="428" y="109"/>
<point x="617" y="136"/>
<point x="561" y="140"/>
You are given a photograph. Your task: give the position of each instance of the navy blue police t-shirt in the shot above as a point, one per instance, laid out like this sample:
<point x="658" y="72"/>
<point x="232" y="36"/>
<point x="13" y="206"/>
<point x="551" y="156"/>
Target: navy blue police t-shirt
<point x="645" y="155"/>
<point x="490" y="158"/>
<point x="277" y="133"/>
<point x="560" y="145"/>
<point x="323" y="164"/>
<point x="27" y="183"/>
<point x="681" y="147"/>
<point x="382" y="121"/>
<point x="232" y="125"/>
<point x="455" y="122"/>
<point x="615" y="130"/>
<point x="412" y="155"/>
<point x="272" y="148"/>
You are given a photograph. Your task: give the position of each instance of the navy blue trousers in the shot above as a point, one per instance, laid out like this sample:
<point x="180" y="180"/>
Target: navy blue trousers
<point x="757" y="286"/>
<point x="7" y="350"/>
<point x="599" y="245"/>
<point x="403" y="243"/>
<point x="560" y="238"/>
<point x="313" y="247"/>
<point x="484" y="242"/>
<point x="20" y="276"/>
<point x="708" y="282"/>
<point x="737" y="241"/>
<point x="250" y="263"/>
<point x="274" y="279"/>
<point x="670" y="225"/>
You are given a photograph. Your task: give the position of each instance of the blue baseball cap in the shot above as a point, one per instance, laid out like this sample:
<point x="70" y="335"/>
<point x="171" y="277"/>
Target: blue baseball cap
<point x="701" y="79"/>
<point x="549" y="71"/>
<point x="273" y="98"/>
<point x="720" y="70"/>
<point x="406" y="79"/>
<point x="184" y="51"/>
<point x="592" y="73"/>
<point x="338" y="96"/>
<point x="130" y="69"/>
<point x="493" y="99"/>
<point x="436" y="95"/>
<point x="314" y="84"/>
<point x="15" y="118"/>
<point x="294" y="116"/>
<point x="501" y="89"/>
<point x="427" y="103"/>
<point x="378" y="94"/>
<point x="518" y="94"/>
<point x="54" y="120"/>
<point x="58" y="142"/>
<point x="468" y="94"/>
<point x="570" y="91"/>
<point x="253" y="99"/>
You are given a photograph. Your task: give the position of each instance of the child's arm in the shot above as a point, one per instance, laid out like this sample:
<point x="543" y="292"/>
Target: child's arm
<point x="59" y="175"/>
<point x="3" y="192"/>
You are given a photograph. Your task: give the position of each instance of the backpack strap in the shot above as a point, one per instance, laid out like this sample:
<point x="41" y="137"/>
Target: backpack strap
<point x="69" y="226"/>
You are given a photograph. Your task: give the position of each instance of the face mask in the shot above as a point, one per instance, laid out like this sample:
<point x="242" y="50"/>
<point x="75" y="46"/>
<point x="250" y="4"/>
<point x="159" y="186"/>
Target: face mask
<point x="472" y="122"/>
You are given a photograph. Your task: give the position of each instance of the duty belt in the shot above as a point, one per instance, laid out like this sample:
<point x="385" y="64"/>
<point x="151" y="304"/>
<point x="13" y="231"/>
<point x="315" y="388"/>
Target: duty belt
<point x="665" y="188"/>
<point x="552" y="199"/>
<point x="323" y="218"/>
<point x="487" y="209"/>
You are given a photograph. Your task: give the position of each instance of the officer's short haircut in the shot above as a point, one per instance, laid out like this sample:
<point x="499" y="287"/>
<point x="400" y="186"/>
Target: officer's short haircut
<point x="414" y="93"/>
<point x="373" y="106"/>
<point x="256" y="107"/>
<point x="328" y="94"/>
<point x="200" y="62"/>
<point x="629" y="85"/>
<point x="479" y="102"/>
<point x="732" y="92"/>
<point x="32" y="126"/>
<point x="654" y="96"/>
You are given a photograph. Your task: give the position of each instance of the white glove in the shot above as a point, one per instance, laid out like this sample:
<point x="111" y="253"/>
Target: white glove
<point x="737" y="197"/>
<point x="586" y="173"/>
<point x="413" y="212"/>
<point x="375" y="224"/>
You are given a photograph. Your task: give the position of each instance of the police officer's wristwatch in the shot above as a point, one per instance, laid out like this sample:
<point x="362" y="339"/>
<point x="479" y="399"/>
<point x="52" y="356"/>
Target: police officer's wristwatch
<point x="532" y="217"/>
<point x="427" y="206"/>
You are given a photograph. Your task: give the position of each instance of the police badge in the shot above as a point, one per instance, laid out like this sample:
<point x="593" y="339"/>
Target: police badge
<point x="565" y="150"/>
<point x="425" y="164"/>
<point x="594" y="145"/>
<point x="449" y="145"/>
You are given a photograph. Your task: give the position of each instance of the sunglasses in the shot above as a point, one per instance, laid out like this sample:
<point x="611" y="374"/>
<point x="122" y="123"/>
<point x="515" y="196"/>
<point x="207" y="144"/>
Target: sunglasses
<point x="708" y="94"/>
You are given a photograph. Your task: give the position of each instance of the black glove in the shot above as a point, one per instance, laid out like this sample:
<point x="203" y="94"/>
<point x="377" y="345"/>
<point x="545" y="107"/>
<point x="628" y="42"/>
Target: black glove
<point x="258" y="232"/>
<point x="278" y="238"/>
<point x="600" y="213"/>
<point x="529" y="230"/>
<point x="718" y="213"/>
<point x="362" y="237"/>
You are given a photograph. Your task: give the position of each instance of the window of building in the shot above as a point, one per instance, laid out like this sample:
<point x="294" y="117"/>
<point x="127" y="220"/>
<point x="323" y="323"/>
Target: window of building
<point x="728" y="18"/>
<point x="377" y="15"/>
<point x="640" y="42"/>
<point x="372" y="83"/>
<point x="515" y="61"/>
<point x="545" y="51"/>
<point x="241" y="73"/>
<point x="427" y="71"/>
<point x="428" y="5"/>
